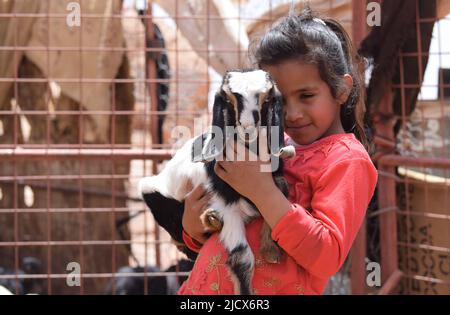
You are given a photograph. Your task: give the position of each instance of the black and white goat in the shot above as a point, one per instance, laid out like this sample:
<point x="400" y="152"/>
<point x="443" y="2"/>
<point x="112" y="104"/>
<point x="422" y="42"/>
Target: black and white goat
<point x="247" y="101"/>
<point x="156" y="285"/>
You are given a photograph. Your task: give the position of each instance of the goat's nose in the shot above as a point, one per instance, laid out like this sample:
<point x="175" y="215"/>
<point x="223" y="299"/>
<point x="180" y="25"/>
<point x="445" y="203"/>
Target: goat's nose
<point x="248" y="127"/>
<point x="247" y="134"/>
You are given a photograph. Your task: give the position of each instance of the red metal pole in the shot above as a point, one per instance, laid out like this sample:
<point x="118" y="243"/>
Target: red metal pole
<point x="388" y="223"/>
<point x="151" y="74"/>
<point x="386" y="196"/>
<point x="85" y="154"/>
<point x="395" y="160"/>
<point x="358" y="270"/>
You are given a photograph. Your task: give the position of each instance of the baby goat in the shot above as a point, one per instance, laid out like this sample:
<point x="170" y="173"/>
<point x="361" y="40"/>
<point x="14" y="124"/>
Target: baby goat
<point x="247" y="101"/>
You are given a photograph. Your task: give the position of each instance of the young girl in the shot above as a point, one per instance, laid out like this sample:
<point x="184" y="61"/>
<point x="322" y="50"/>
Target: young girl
<point x="331" y="178"/>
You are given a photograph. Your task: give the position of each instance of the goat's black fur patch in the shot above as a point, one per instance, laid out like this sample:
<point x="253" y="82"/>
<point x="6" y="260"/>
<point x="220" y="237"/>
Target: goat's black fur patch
<point x="255" y="114"/>
<point x="240" y="268"/>
<point x="156" y="285"/>
<point x="240" y="104"/>
<point x="168" y="212"/>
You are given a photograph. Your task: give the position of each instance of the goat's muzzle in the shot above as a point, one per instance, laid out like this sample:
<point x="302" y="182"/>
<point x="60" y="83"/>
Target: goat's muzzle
<point x="247" y="135"/>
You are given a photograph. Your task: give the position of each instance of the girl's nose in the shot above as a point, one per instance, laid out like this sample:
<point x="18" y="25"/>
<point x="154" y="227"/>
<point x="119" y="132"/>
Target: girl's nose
<point x="293" y="112"/>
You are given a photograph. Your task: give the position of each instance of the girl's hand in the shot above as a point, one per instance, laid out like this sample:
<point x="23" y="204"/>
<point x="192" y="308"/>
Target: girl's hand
<point x="253" y="179"/>
<point x="194" y="205"/>
<point x="250" y="177"/>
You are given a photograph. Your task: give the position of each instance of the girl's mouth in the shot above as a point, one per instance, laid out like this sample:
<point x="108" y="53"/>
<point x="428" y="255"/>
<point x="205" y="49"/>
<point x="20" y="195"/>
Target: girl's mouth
<point x="298" y="128"/>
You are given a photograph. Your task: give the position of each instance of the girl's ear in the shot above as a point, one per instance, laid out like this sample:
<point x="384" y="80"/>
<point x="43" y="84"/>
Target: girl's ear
<point x="347" y="89"/>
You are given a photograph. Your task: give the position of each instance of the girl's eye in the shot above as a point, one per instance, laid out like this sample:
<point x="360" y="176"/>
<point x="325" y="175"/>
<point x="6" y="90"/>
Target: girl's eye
<point x="306" y="96"/>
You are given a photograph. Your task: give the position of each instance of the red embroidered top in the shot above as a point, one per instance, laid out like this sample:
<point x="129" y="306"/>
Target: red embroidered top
<point x="331" y="182"/>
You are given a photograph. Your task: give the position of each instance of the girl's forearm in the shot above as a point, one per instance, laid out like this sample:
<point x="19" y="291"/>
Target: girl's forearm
<point x="271" y="203"/>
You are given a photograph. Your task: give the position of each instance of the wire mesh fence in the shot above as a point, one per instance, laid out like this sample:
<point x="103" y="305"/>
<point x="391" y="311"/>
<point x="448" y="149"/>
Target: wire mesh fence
<point x="90" y="92"/>
<point x="408" y="226"/>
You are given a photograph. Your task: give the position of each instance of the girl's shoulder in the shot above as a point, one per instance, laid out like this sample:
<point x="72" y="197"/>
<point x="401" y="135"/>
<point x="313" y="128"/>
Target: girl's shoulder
<point x="329" y="150"/>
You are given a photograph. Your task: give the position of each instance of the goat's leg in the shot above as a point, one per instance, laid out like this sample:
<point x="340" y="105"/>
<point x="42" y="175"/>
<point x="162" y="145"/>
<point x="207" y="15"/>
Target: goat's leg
<point x="270" y="251"/>
<point x="240" y="260"/>
<point x="211" y="220"/>
<point x="281" y="183"/>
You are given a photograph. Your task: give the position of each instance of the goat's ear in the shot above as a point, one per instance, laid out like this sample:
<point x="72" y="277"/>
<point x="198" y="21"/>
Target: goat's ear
<point x="221" y="119"/>
<point x="207" y="147"/>
<point x="275" y="119"/>
<point x="197" y="148"/>
<point x="220" y="104"/>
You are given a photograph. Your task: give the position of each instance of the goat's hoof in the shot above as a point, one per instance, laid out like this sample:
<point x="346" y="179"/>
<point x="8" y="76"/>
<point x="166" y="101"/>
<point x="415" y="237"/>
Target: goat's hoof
<point x="272" y="254"/>
<point x="211" y="220"/>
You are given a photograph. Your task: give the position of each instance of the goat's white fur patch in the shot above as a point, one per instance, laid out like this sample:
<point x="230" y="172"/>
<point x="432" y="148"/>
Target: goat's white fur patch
<point x="248" y="84"/>
<point x="233" y="233"/>
<point x="173" y="181"/>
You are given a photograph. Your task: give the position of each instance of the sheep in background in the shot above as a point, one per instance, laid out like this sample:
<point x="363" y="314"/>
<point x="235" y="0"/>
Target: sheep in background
<point x="246" y="101"/>
<point x="156" y="285"/>
<point x="21" y="286"/>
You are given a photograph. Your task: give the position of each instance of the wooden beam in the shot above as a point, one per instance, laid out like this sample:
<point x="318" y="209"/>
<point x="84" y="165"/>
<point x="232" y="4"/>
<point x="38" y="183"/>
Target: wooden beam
<point x="391" y="283"/>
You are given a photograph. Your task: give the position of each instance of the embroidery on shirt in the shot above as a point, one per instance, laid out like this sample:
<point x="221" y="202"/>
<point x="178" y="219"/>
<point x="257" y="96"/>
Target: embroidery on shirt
<point x="213" y="262"/>
<point x="214" y="286"/>
<point x="271" y="282"/>
<point x="260" y="263"/>
<point x="192" y="290"/>
<point x="300" y="289"/>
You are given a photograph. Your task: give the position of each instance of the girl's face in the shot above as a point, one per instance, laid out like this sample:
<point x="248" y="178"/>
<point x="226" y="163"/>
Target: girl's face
<point x="310" y="111"/>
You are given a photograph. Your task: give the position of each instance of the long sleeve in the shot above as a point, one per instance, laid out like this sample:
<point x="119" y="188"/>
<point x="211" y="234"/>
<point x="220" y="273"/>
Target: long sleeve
<point x="191" y="243"/>
<point x="320" y="240"/>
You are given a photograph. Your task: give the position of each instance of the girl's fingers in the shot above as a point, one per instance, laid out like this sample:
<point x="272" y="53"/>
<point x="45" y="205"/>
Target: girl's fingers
<point x="219" y="167"/>
<point x="199" y="205"/>
<point x="198" y="192"/>
<point x="249" y="154"/>
<point x="205" y="198"/>
<point x="203" y="203"/>
<point x="241" y="152"/>
<point x="189" y="186"/>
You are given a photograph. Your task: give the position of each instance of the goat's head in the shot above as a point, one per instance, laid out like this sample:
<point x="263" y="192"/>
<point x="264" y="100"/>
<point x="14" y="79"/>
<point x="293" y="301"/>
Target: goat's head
<point x="246" y="101"/>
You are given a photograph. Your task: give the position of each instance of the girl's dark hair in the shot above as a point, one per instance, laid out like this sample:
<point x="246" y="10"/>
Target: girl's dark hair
<point x="325" y="43"/>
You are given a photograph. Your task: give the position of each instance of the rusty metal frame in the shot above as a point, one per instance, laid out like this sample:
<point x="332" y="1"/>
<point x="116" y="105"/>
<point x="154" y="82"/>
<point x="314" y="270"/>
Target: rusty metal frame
<point x="385" y="158"/>
<point x="358" y="252"/>
<point x="388" y="160"/>
<point x="81" y="152"/>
